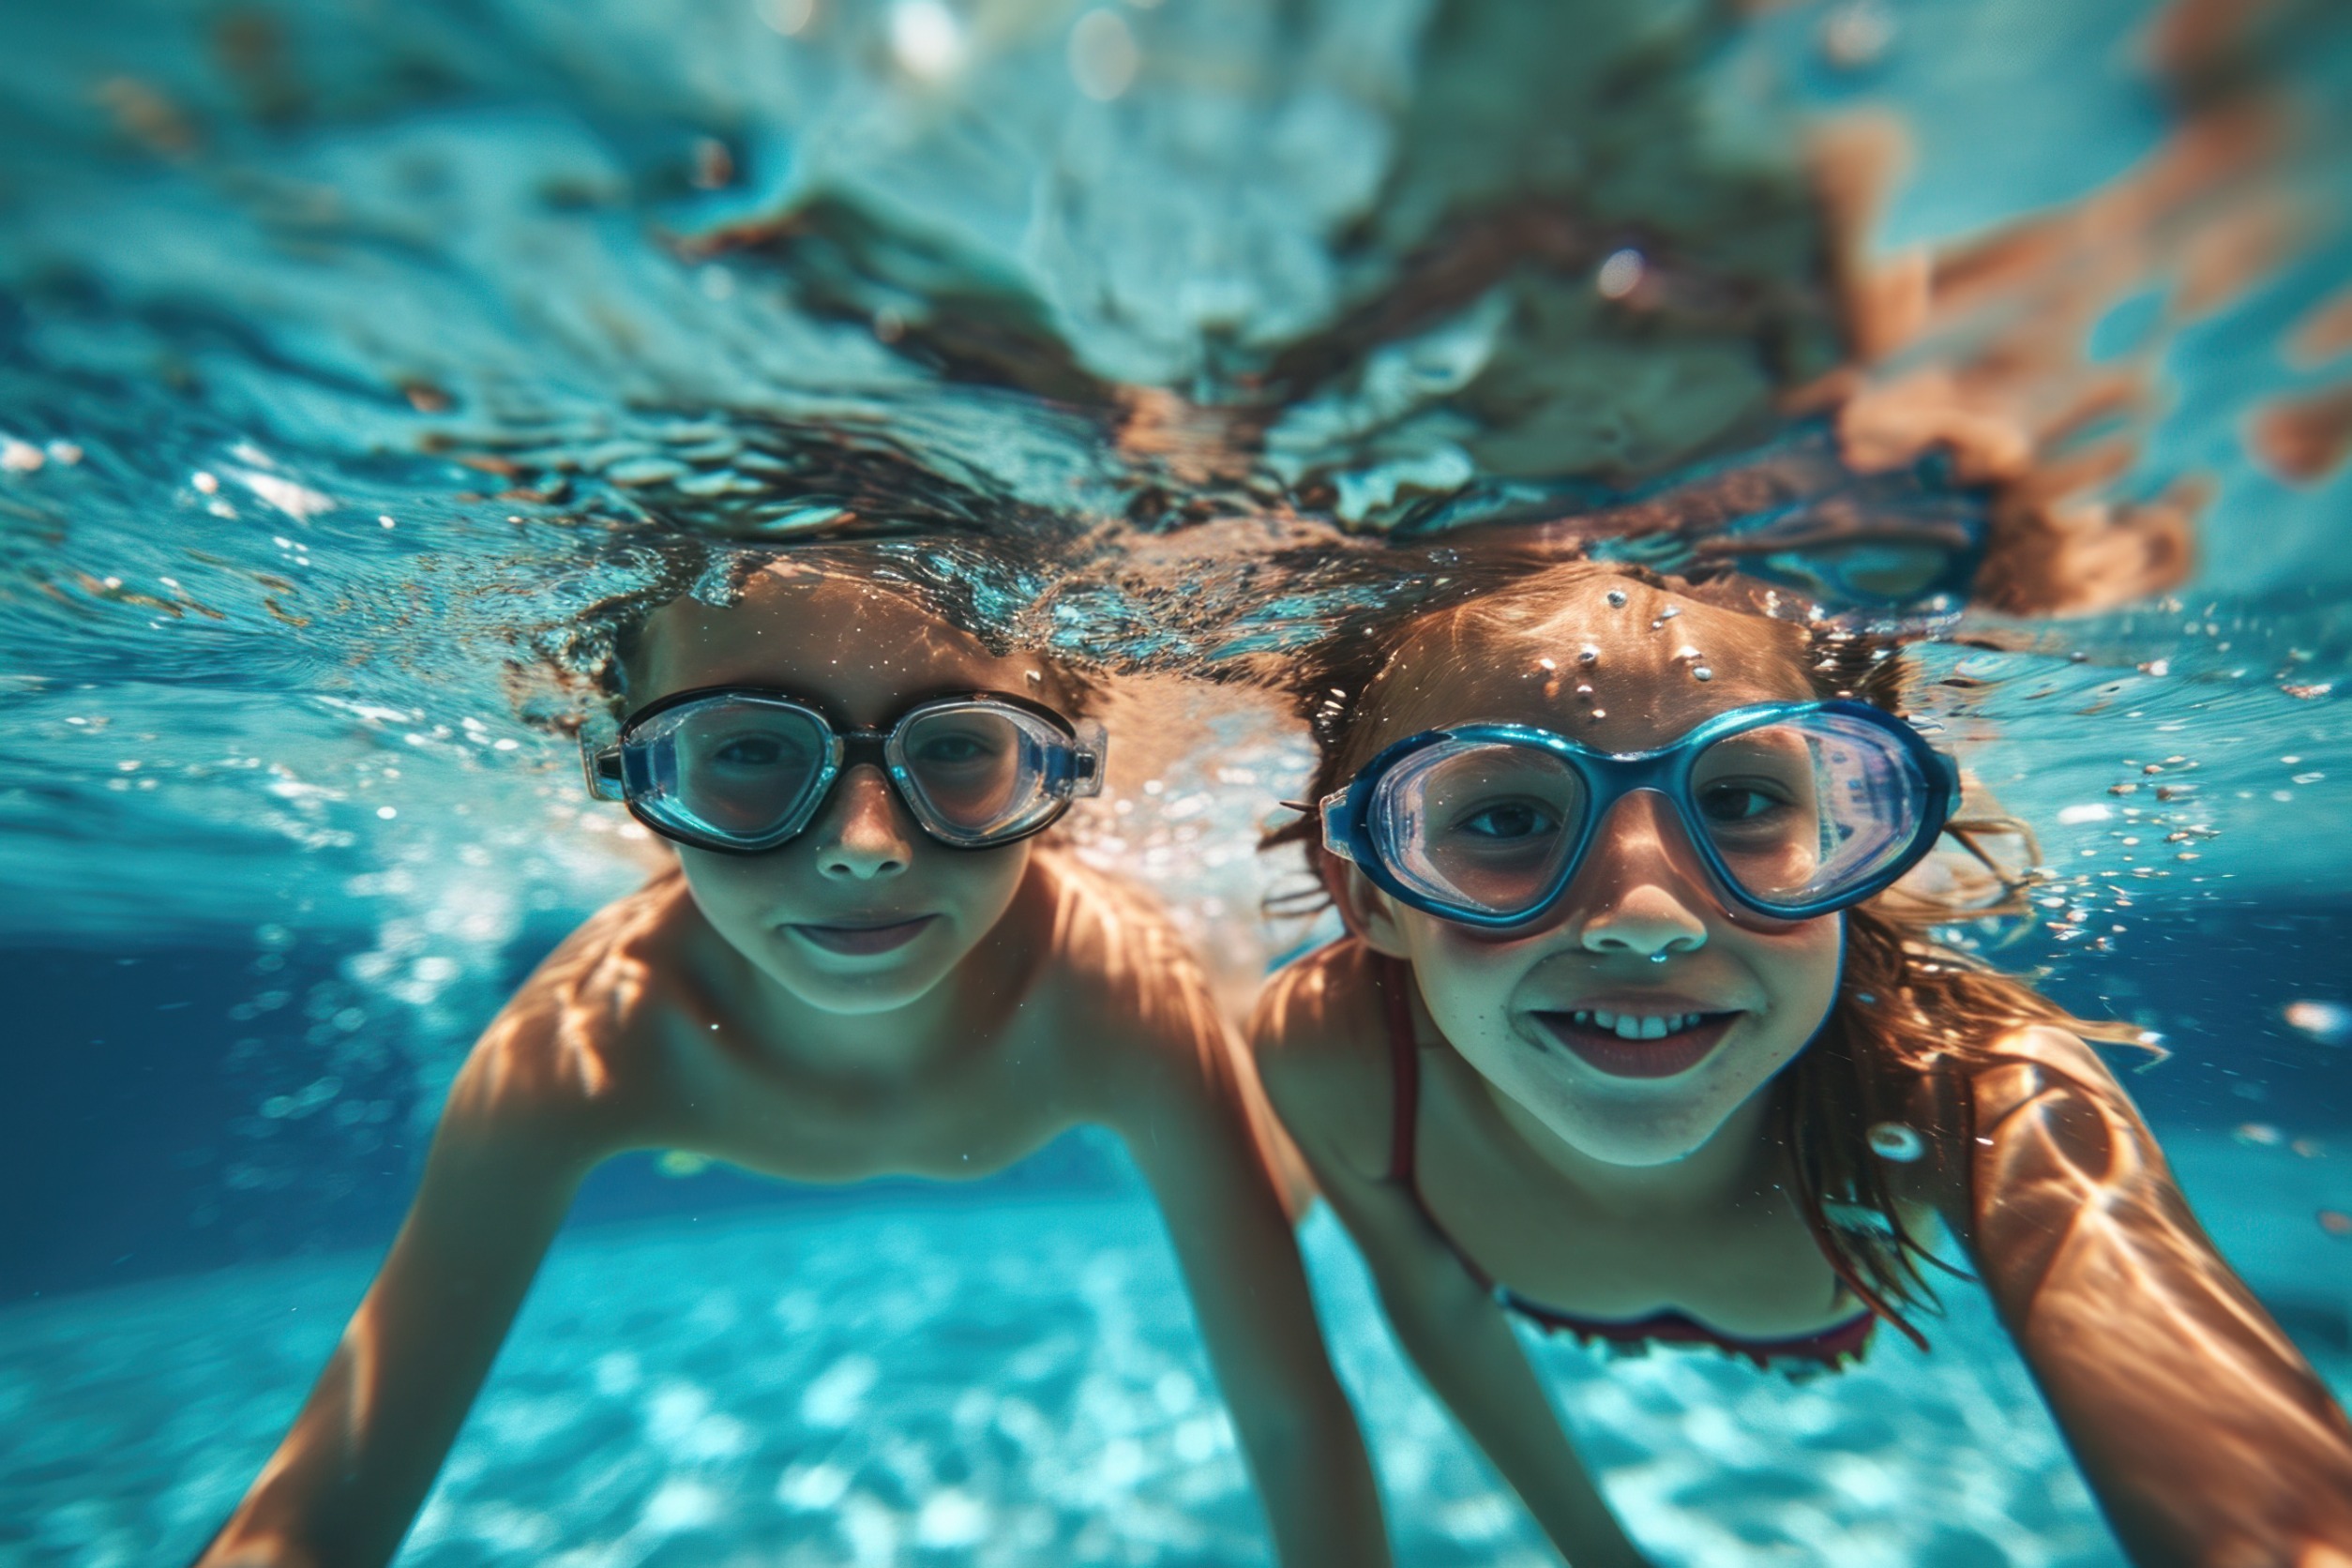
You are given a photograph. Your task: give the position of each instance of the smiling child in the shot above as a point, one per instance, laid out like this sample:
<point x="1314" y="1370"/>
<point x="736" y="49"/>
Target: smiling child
<point x="866" y="963"/>
<point x="1634" y="1037"/>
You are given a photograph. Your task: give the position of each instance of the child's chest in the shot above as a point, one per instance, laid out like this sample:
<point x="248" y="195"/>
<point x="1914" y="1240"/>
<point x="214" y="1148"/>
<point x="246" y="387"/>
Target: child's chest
<point x="965" y="1112"/>
<point x="1748" y="1265"/>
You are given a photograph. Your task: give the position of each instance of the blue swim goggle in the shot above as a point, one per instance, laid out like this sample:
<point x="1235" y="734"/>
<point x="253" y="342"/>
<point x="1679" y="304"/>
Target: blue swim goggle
<point x="1797" y="808"/>
<point x="744" y="769"/>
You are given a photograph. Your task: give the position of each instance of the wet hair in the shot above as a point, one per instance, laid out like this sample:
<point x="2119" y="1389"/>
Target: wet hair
<point x="1909" y="1002"/>
<point x="972" y="585"/>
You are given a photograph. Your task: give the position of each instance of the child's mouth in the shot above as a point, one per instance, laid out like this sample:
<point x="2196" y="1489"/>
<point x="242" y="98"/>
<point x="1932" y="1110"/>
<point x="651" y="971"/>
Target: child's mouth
<point x="1629" y="1045"/>
<point x="864" y="939"/>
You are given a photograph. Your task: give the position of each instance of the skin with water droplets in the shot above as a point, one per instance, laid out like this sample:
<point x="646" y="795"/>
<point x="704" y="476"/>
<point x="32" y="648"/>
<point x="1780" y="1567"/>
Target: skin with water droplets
<point x="2200" y="1428"/>
<point x="858" y="1001"/>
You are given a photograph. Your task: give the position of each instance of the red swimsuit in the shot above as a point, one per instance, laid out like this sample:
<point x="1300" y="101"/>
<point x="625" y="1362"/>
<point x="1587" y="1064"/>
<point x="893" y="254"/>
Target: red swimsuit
<point x="1828" y="1350"/>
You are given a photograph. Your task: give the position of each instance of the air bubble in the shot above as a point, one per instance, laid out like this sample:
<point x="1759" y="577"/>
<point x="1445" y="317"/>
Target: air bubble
<point x="2328" y="1023"/>
<point x="1621" y="274"/>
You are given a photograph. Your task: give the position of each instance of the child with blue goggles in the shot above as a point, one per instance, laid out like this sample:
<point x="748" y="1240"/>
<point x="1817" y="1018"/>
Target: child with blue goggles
<point x="1634" y="1036"/>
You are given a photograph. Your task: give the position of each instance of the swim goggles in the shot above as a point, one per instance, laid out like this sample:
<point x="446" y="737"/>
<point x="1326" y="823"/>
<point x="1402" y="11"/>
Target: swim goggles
<point x="743" y="769"/>
<point x="1798" y="810"/>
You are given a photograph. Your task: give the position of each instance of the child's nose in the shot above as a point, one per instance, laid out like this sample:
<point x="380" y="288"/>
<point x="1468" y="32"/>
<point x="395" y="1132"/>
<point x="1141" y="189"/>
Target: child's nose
<point x="1642" y="889"/>
<point x="863" y="834"/>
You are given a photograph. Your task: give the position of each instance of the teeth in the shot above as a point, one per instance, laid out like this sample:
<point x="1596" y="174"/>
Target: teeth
<point x="1626" y="1026"/>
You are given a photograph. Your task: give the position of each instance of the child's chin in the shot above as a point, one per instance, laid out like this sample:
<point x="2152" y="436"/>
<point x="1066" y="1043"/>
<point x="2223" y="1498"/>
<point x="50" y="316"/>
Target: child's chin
<point x="1629" y="1139"/>
<point x="882" y="990"/>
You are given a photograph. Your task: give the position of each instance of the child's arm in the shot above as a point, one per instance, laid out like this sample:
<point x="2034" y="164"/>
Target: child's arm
<point x="1459" y="1339"/>
<point x="2206" y="1438"/>
<point x="1184" y="1117"/>
<point x="522" y="1127"/>
<point x="1453" y="1329"/>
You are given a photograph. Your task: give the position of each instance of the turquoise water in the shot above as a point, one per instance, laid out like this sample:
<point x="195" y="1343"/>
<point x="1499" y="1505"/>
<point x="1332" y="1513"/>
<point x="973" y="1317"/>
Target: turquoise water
<point x="1019" y="1382"/>
<point x="351" y="355"/>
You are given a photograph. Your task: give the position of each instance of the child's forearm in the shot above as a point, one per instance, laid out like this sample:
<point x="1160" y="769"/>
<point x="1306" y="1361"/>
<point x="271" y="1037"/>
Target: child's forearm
<point x="2207" y="1439"/>
<point x="1191" y="1137"/>
<point x="1466" y="1350"/>
<point x="343" y="1487"/>
<point x="2205" y="1435"/>
<point x="340" y="1490"/>
<point x="1296" y="1428"/>
<point x="1322" y="1503"/>
<point x="2204" y="1442"/>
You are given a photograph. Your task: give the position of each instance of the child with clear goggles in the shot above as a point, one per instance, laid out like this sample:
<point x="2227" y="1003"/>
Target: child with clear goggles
<point x="740" y="770"/>
<point x="865" y="962"/>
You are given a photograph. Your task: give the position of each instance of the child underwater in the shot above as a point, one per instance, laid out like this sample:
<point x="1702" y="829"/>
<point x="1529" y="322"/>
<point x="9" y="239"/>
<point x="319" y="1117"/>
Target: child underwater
<point x="864" y="964"/>
<point x="1634" y="1036"/>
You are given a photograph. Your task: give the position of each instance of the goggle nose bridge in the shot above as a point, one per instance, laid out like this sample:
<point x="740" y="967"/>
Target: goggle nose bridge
<point x="1674" y="808"/>
<point x="865" y="748"/>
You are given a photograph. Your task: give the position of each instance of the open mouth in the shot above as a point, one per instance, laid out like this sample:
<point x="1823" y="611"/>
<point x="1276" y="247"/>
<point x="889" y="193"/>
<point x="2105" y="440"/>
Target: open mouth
<point x="864" y="939"/>
<point x="1636" y="1044"/>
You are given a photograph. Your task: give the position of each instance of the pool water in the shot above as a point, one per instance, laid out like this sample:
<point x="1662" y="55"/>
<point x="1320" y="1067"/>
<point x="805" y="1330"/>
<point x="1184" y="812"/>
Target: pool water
<point x="1019" y="1381"/>
<point x="355" y="360"/>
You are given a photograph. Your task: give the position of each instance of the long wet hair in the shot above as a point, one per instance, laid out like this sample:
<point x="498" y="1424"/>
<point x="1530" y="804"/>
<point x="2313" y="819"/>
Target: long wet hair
<point x="1909" y="1003"/>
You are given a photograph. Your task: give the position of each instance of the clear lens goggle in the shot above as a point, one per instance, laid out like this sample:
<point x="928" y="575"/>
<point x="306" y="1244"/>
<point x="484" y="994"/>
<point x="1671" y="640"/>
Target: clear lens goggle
<point x="1798" y="810"/>
<point x="740" y="769"/>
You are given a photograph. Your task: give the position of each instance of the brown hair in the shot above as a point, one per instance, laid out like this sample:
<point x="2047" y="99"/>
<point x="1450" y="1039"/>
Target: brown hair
<point x="1908" y="1002"/>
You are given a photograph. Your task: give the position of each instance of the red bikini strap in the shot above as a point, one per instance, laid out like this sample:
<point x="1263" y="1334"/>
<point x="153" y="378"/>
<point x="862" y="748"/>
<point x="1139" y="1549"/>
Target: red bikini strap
<point x="1404" y="1067"/>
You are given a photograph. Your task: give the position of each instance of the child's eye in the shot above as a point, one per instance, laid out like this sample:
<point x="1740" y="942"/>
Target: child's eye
<point x="949" y="750"/>
<point x="1512" y="820"/>
<point x="1739" y="802"/>
<point x="750" y="752"/>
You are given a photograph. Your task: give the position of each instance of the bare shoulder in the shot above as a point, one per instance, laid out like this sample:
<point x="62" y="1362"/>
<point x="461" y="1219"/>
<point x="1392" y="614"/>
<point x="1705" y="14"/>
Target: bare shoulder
<point x="2041" y="1068"/>
<point x="2042" y="1055"/>
<point x="1116" y="968"/>
<point x="2033" y="1107"/>
<point x="1318" y="1033"/>
<point x="576" y="1049"/>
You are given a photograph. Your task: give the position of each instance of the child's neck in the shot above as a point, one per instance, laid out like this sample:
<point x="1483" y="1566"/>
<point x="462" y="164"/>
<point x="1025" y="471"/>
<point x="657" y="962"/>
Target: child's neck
<point x="896" y="1042"/>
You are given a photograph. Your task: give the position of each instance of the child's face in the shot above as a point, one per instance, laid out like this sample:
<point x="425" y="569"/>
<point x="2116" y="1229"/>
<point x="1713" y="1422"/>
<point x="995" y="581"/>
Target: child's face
<point x="1642" y="929"/>
<point x="862" y="912"/>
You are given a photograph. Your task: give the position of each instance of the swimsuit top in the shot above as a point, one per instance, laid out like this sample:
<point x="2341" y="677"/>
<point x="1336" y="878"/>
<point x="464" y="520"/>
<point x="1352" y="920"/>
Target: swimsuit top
<point x="1828" y="1350"/>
